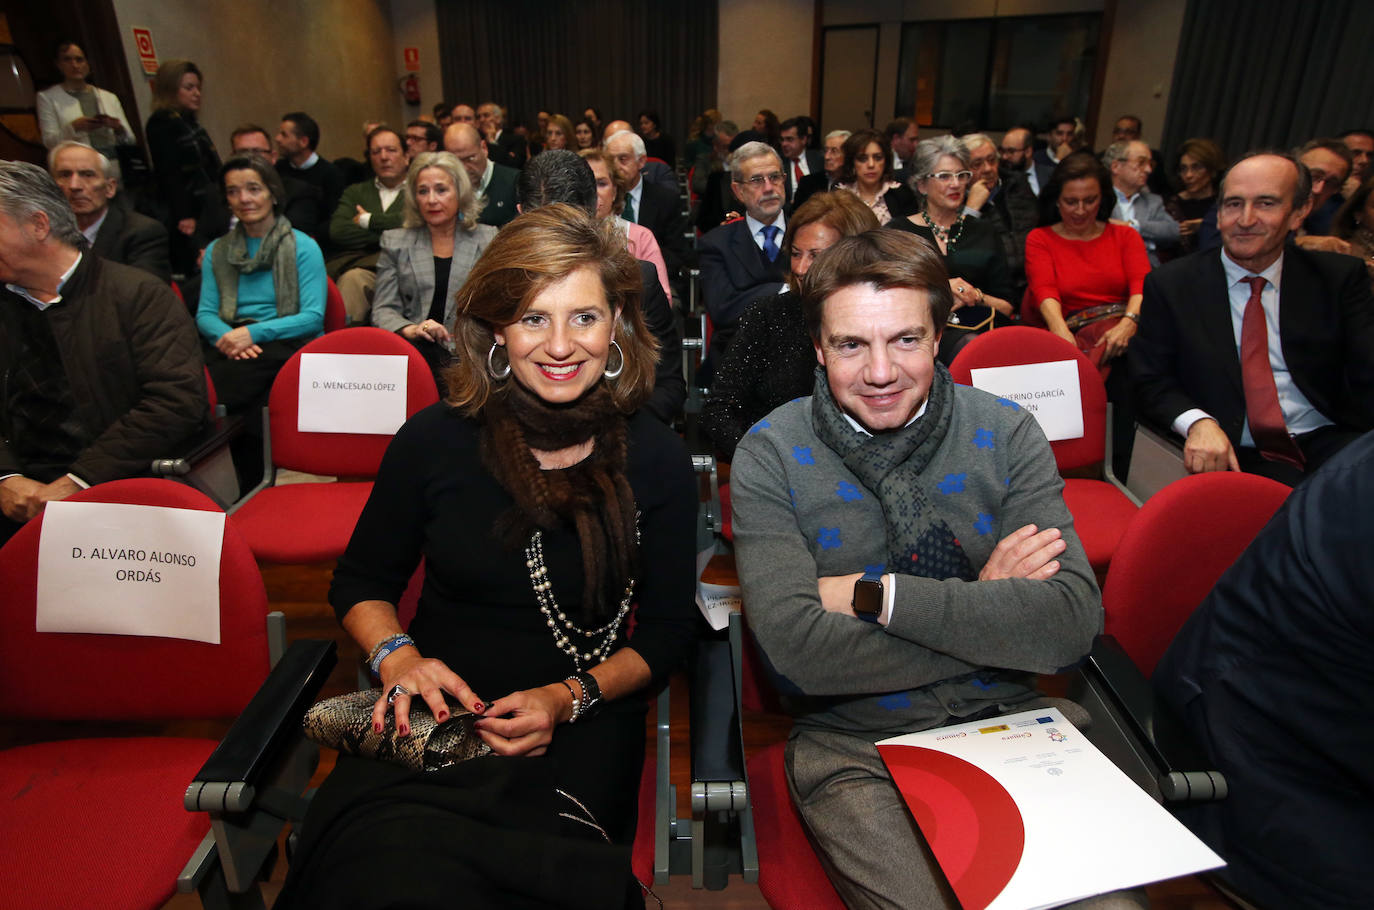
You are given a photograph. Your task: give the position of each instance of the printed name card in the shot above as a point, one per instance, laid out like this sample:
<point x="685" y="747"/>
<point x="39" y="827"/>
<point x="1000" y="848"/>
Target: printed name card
<point x="352" y="393"/>
<point x="1048" y="390"/>
<point x="123" y="569"/>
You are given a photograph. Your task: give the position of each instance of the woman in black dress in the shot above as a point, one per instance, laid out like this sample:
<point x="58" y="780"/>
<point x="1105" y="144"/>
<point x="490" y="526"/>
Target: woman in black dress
<point x="543" y="513"/>
<point x="771" y="359"/>
<point x="1200" y="164"/>
<point x="185" y="163"/>
<point x="973" y="249"/>
<point x="868" y="174"/>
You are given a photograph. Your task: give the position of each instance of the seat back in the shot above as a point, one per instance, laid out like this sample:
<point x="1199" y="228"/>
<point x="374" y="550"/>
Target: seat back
<point x="335" y="314"/>
<point x="341" y="454"/>
<point x="1173" y="552"/>
<point x="1018" y="345"/>
<point x="59" y="675"/>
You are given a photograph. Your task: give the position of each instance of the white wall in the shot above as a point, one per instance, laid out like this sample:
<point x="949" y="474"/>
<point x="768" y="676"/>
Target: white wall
<point x="414" y="24"/>
<point x="1140" y="67"/>
<point x="338" y="60"/>
<point x="765" y="58"/>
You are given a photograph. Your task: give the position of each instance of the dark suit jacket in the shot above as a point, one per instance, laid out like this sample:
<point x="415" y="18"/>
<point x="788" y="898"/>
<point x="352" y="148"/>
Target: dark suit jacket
<point x="1014" y="210"/>
<point x="733" y="275"/>
<point x="815" y="164"/>
<point x="670" y="388"/>
<point x="500" y="207"/>
<point x="133" y="239"/>
<point x="660" y="211"/>
<point x="815" y="182"/>
<point x="331" y="185"/>
<point x="508" y="150"/>
<point x="1185" y="356"/>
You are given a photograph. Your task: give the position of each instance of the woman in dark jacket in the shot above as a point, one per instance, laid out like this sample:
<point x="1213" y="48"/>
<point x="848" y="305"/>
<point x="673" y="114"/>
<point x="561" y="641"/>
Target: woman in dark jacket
<point x="867" y="174"/>
<point x="185" y="163"/>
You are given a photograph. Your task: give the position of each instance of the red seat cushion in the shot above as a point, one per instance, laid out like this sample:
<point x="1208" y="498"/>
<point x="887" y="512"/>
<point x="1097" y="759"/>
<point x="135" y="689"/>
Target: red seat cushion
<point x="97" y="822"/>
<point x="302" y="522"/>
<point x="727" y="513"/>
<point x="1101" y="513"/>
<point x="790" y="875"/>
<point x="642" y="857"/>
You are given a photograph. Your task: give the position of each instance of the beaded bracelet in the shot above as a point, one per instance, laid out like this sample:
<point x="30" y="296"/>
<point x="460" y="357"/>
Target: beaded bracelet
<point x="385" y="649"/>
<point x="577" y="702"/>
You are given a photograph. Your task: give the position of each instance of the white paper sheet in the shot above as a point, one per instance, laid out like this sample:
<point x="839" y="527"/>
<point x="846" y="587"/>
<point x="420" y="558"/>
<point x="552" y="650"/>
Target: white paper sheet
<point x="129" y="570"/>
<point x="1048" y="390"/>
<point x="1023" y="812"/>
<point x="352" y="393"/>
<point x="716" y="602"/>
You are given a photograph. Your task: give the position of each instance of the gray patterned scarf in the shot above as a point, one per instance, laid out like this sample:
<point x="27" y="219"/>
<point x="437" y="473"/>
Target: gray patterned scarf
<point x="277" y="253"/>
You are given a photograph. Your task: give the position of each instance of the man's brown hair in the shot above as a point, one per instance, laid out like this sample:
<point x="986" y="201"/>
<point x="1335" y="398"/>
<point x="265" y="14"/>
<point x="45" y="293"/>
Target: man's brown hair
<point x="885" y="259"/>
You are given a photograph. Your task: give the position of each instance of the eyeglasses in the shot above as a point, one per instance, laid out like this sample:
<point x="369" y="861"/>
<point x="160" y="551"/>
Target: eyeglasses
<point x="759" y="180"/>
<point x="950" y="176"/>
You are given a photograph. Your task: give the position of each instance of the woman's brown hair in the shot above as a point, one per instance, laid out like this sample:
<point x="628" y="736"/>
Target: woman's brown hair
<point x="534" y="251"/>
<point x="857" y="143"/>
<point x="167" y="82"/>
<point x="600" y="154"/>
<point x="841" y="211"/>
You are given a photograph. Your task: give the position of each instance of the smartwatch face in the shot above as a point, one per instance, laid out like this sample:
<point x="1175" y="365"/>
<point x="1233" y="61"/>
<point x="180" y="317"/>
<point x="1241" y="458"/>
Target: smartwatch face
<point x="868" y="597"/>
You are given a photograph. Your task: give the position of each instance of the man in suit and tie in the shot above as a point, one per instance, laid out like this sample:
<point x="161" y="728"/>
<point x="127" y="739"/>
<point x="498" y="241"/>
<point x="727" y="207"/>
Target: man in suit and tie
<point x="650" y="205"/>
<point x="742" y="260"/>
<point x="1261" y="356"/>
<point x="493" y="182"/>
<point x="114" y="232"/>
<point x="504" y="147"/>
<point x="799" y="161"/>
<point x="824" y="180"/>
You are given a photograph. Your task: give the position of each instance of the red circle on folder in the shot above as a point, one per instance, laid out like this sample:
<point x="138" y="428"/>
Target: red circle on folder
<point x="970" y="821"/>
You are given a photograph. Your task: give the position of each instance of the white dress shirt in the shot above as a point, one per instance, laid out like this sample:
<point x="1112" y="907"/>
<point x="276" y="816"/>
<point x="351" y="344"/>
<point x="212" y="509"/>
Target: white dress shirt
<point x="756" y="230"/>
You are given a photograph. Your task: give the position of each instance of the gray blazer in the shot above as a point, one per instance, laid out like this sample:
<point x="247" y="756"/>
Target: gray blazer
<point x="405" y="274"/>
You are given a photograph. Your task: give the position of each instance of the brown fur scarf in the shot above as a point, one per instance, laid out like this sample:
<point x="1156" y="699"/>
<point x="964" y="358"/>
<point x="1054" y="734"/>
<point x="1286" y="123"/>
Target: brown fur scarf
<point x="592" y="496"/>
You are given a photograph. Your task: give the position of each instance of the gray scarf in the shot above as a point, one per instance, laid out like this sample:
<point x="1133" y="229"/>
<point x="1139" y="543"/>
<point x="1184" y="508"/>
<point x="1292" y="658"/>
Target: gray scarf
<point x="277" y="254"/>
<point x="891" y="465"/>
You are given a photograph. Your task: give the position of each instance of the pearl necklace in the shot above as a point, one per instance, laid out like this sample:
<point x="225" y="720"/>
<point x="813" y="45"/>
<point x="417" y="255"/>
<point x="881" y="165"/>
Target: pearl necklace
<point x="951" y="236"/>
<point x="565" y="631"/>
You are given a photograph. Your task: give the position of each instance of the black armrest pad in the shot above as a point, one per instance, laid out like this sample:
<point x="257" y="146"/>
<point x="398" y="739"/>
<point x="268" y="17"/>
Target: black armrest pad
<point x="1154" y="723"/>
<point x="717" y="754"/>
<point x="216" y="434"/>
<point x="273" y="715"/>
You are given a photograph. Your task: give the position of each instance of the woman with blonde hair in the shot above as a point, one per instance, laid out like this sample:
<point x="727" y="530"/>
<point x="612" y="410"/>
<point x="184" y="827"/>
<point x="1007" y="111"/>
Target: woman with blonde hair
<point x="424" y="262"/>
<point x="610" y="202"/>
<point x="185" y="163"/>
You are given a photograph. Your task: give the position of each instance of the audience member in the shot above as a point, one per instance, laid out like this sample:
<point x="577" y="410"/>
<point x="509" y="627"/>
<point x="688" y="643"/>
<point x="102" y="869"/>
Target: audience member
<point x="657" y="144"/>
<point x="771" y="359"/>
<point x="868" y="174"/>
<point x="562" y="176"/>
<point x="1200" y="164"/>
<point x="1127" y="129"/>
<point x="766" y="122"/>
<point x="425" y="262"/>
<point x="462" y="113"/>
<point x="519" y="469"/>
<point x="75" y="110"/>
<point x="823" y="180"/>
<point x="610" y="202"/>
<point x="1137" y="207"/>
<point x="701" y="138"/>
<point x="971" y="247"/>
<point x="422" y="136"/>
<point x="1262" y="356"/>
<point x="185" y="162"/>
<point x="649" y="204"/>
<point x="1065" y="139"/>
<point x="798" y="161"/>
<point x="1272" y="675"/>
<point x="712" y="177"/>
<point x="1329" y="162"/>
<point x="443" y="114"/>
<point x="976" y="580"/>
<point x="503" y="147"/>
<point x="494" y="183"/>
<point x="740" y="260"/>
<point x="297" y="139"/>
<point x="365" y="211"/>
<point x="584" y="134"/>
<point x="301" y="206"/>
<point x="1354" y="224"/>
<point x="1085" y="273"/>
<point x="654" y="172"/>
<point x="262" y="294"/>
<point x="902" y="135"/>
<point x="101" y="373"/>
<point x="1018" y="157"/>
<point x="1361" y="145"/>
<point x="558" y="132"/>
<point x="114" y="232"/>
<point x="1004" y="199"/>
<point x="593" y="116"/>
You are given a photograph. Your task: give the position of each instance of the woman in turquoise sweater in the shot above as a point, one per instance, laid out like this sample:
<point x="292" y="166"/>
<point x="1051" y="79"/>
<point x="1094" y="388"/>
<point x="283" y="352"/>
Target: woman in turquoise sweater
<point x="262" y="289"/>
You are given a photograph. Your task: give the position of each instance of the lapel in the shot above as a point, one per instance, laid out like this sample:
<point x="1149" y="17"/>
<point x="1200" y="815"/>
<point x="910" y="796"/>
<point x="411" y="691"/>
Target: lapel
<point x="1299" y="294"/>
<point x="109" y="230"/>
<point x="466" y="245"/>
<point x="647" y="213"/>
<point x="744" y="249"/>
<point x="421" y="266"/>
<point x="1214" y="317"/>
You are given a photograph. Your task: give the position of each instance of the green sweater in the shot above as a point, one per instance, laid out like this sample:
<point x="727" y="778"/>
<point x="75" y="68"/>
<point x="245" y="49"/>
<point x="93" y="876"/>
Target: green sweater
<point x="349" y="236"/>
<point x="952" y="647"/>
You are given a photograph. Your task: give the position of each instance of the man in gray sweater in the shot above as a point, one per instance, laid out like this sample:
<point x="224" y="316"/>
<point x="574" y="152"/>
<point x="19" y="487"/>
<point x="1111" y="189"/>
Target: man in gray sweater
<point x="905" y="556"/>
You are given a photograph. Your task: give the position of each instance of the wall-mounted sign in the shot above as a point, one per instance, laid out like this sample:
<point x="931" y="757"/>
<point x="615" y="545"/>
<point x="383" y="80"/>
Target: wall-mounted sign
<point x="147" y="54"/>
<point x="412" y="55"/>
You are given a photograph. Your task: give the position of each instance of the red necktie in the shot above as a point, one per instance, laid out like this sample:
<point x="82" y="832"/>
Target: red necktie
<point x="796" y="166"/>
<point x="1261" y="394"/>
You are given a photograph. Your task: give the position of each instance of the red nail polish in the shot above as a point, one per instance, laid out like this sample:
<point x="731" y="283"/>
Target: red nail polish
<point x="481" y="708"/>
<point x="443" y="716"/>
<point x="376" y="728"/>
<point x="404" y="731"/>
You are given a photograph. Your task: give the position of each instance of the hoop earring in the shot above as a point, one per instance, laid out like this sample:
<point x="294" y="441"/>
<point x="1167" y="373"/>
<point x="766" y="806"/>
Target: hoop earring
<point x="620" y="369"/>
<point x="491" y="369"/>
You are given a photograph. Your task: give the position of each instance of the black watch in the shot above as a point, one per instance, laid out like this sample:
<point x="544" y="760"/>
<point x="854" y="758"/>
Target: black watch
<point x="868" y="596"/>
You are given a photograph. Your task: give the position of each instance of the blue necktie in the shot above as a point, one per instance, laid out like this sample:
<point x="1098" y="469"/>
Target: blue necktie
<point x="770" y="244"/>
